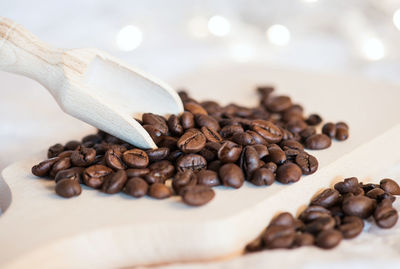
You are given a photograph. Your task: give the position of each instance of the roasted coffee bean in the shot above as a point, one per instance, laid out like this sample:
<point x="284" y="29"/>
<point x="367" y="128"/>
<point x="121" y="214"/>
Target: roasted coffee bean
<point x="214" y="165"/>
<point x="94" y="139"/>
<point x="318" y="141"/>
<point x="368" y="187"/>
<point x="342" y="133"/>
<point x="258" y="139"/>
<point x="243" y="139"/>
<point x="74" y="173"/>
<point x="159" y="191"/>
<point x="291" y="154"/>
<point x="43" y="168"/>
<point x="72" y="145"/>
<point x="278" y="237"/>
<point x="157" y="154"/>
<point x="155" y="120"/>
<point x="303" y="239"/>
<point x="211" y="107"/>
<point x="55" y="150"/>
<point x="269" y="131"/>
<point x="327" y="198"/>
<point x="164" y="167"/>
<point x="255" y="245"/>
<point x="68" y="188"/>
<point x="328" y="239"/>
<point x="114" y="182"/>
<point x="307" y="163"/>
<point x="209" y="153"/>
<point x="296" y="126"/>
<point x="278" y="103"/>
<point x="136" y="187"/>
<point x="321" y="224"/>
<point x="262" y="176"/>
<point x="137" y="172"/>
<point x="360" y="206"/>
<point x="168" y="142"/>
<point x="230" y="130"/>
<point x="314" y="119"/>
<point x="262" y="150"/>
<point x="249" y="161"/>
<point x="174" y="125"/>
<point x="348" y="185"/>
<point x="292" y="144"/>
<point x="183" y="179"/>
<point x="386" y="197"/>
<point x="390" y="186"/>
<point x="314" y="212"/>
<point x="61" y="164"/>
<point x="306" y="133"/>
<point x="83" y="156"/>
<point x="208" y="178"/>
<point x="288" y="173"/>
<point x="187" y="120"/>
<point x="207" y="121"/>
<point x="66" y="153"/>
<point x="329" y="129"/>
<point x="94" y="175"/>
<point x="155" y="177"/>
<point x="276" y="154"/>
<point x="135" y="158"/>
<point x="192" y="162"/>
<point x="271" y="166"/>
<point x="195" y="108"/>
<point x="211" y="135"/>
<point x="351" y="226"/>
<point x="385" y="216"/>
<point x="191" y="141"/>
<point x="113" y="159"/>
<point x="154" y="132"/>
<point x="231" y="175"/>
<point x="229" y="152"/>
<point x="197" y="195"/>
<point x="375" y="193"/>
<point x="283" y="219"/>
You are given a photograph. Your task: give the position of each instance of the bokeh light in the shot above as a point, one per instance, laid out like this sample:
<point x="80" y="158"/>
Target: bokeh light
<point x="373" y="49"/>
<point x="219" y="26"/>
<point x="278" y="35"/>
<point x="129" y="38"/>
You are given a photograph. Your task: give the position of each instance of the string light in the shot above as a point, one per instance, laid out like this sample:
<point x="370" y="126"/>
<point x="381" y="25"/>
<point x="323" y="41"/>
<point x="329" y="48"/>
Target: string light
<point x="197" y="27"/>
<point x="219" y="26"/>
<point x="278" y="35"/>
<point x="373" y="49"/>
<point x="396" y="19"/>
<point x="129" y="38"/>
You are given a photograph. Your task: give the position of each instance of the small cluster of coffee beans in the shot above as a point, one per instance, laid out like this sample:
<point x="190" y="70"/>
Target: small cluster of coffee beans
<point x="332" y="215"/>
<point x="208" y="145"/>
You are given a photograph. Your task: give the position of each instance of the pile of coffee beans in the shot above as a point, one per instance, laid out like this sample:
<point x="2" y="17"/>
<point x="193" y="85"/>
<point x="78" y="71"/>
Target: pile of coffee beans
<point x="206" y="146"/>
<point x="332" y="215"/>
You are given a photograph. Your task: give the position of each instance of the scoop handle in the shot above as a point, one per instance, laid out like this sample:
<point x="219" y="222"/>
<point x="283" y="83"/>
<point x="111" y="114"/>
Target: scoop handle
<point x="23" y="53"/>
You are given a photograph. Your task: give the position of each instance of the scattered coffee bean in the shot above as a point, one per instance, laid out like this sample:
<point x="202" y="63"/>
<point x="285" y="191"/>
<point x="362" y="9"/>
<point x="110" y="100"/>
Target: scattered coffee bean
<point x="328" y="239"/>
<point x="328" y="198"/>
<point x="135" y="158"/>
<point x="342" y="133"/>
<point x="307" y="163"/>
<point x="94" y="175"/>
<point x="262" y="176"/>
<point x="192" y="141"/>
<point x="74" y="173"/>
<point x="43" y="168"/>
<point x="83" y="156"/>
<point x="114" y="182"/>
<point x="231" y="175"/>
<point x="229" y="152"/>
<point x="159" y="191"/>
<point x="68" y="188"/>
<point x="208" y="178"/>
<point x="318" y="141"/>
<point x="351" y="226"/>
<point x="136" y="187"/>
<point x="197" y="195"/>
<point x="55" y="150"/>
<point x="329" y="129"/>
<point x="390" y="186"/>
<point x="359" y="206"/>
<point x="288" y="173"/>
<point x="386" y="216"/>
<point x="113" y="159"/>
<point x="60" y="164"/>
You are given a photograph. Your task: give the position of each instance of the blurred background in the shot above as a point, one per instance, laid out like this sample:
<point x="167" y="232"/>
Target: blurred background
<point x="174" y="37"/>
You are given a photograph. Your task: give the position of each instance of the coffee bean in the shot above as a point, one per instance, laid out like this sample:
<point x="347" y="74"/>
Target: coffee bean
<point x="43" y="168"/>
<point x="61" y="164"/>
<point x="72" y="145"/>
<point x="318" y="141"/>
<point x="368" y="187"/>
<point x="187" y="120"/>
<point x="349" y="185"/>
<point x="135" y="158"/>
<point x="296" y="126"/>
<point x="159" y="191"/>
<point x="83" y="156"/>
<point x="168" y="142"/>
<point x="328" y="239"/>
<point x="192" y="162"/>
<point x="113" y="159"/>
<point x="93" y="139"/>
<point x="314" y="212"/>
<point x="211" y="135"/>
<point x="195" y="108"/>
<point x="183" y="179"/>
<point x="211" y="107"/>
<point x="174" y="125"/>
<point x="276" y="154"/>
<point x="278" y="237"/>
<point x="94" y="175"/>
<point x="243" y="139"/>
<point x="279" y="103"/>
<point x="262" y="150"/>
<point x="360" y="206"/>
<point x="307" y="163"/>
<point x="288" y="173"/>
<point x="136" y="187"/>
<point x="229" y="152"/>
<point x="157" y="154"/>
<point x="283" y="219"/>
<point x="154" y="133"/>
<point x="303" y="239"/>
<point x="320" y="224"/>
<point x="306" y="133"/>
<point x="197" y="195"/>
<point x="291" y="144"/>
<point x="66" y="153"/>
<point x="208" y="178"/>
<point x="329" y="129"/>
<point x="230" y="130"/>
<point x="155" y="120"/>
<point x="271" y="166"/>
<point x="192" y="141"/>
<point x="74" y="173"/>
<point x="390" y="186"/>
<point x="327" y="198"/>
<point x="163" y="167"/>
<point x="249" y="161"/>
<point x="255" y="245"/>
<point x="375" y="193"/>
<point x="386" y="216"/>
<point x="342" y="133"/>
<point x="207" y="121"/>
<point x="68" y="188"/>
<point x="114" y="182"/>
<point x="214" y="165"/>
<point x="351" y="226"/>
<point x="137" y="172"/>
<point x="342" y="124"/>
<point x="55" y="150"/>
<point x="262" y="176"/>
<point x="231" y="175"/>
<point x="314" y="119"/>
<point x="269" y="131"/>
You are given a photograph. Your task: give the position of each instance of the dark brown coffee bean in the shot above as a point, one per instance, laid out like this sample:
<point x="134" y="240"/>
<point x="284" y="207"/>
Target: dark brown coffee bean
<point x="309" y="131"/>
<point x="72" y="145"/>
<point x="283" y="219"/>
<point x="342" y="133"/>
<point x="255" y="245"/>
<point x="211" y="107"/>
<point x="187" y="120"/>
<point x="368" y="187"/>
<point x="279" y="103"/>
<point x="243" y="139"/>
<point x="231" y="175"/>
<point x="113" y="159"/>
<point x="276" y="154"/>
<point x="74" y="173"/>
<point x="168" y="142"/>
<point x="163" y="167"/>
<point x="214" y="165"/>
<point x="197" y="195"/>
<point x="329" y="129"/>
<point x="271" y="166"/>
<point x="83" y="156"/>
<point x="43" y="168"/>
<point x="230" y="130"/>
<point x="288" y="173"/>
<point x="207" y="121"/>
<point x="135" y="158"/>
<point x="192" y="162"/>
<point x="321" y="224"/>
<point x="342" y="124"/>
<point x="137" y="172"/>
<point x="136" y="187"/>
<point x="269" y="131"/>
<point x="154" y="132"/>
<point x="183" y="179"/>
<point x="94" y="139"/>
<point x="349" y="185"/>
<point x="291" y="144"/>
<point x="155" y="177"/>
<point x="195" y="108"/>
<point x="318" y="141"/>
<point x="328" y="239"/>
<point x="157" y="154"/>
<point x="307" y="163"/>
<point x="386" y="196"/>
<point x="208" y="178"/>
<point x="278" y="237"/>
<point x="61" y="164"/>
<point x="386" y="216"/>
<point x="258" y="139"/>
<point x="390" y="186"/>
<point x="155" y="120"/>
<point x="68" y="188"/>
<point x="66" y="153"/>
<point x="360" y="206"/>
<point x="375" y="193"/>
<point x="303" y="239"/>
<point x="314" y="119"/>
<point x="159" y="191"/>
<point x="262" y="176"/>
<point x="229" y="152"/>
<point x="211" y="135"/>
<point x="296" y="126"/>
<point x="174" y="125"/>
<point x="262" y="150"/>
<point x="191" y="141"/>
<point x="351" y="226"/>
<point x="94" y="175"/>
<point x="327" y="198"/>
<point x="55" y="150"/>
<point x="314" y="212"/>
<point x="249" y="161"/>
<point x="114" y="182"/>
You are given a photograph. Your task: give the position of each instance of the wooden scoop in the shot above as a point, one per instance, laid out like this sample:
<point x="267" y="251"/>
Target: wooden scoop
<point x="89" y="84"/>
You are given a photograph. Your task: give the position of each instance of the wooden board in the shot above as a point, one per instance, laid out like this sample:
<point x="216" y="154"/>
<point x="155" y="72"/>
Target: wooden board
<point x="95" y="230"/>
